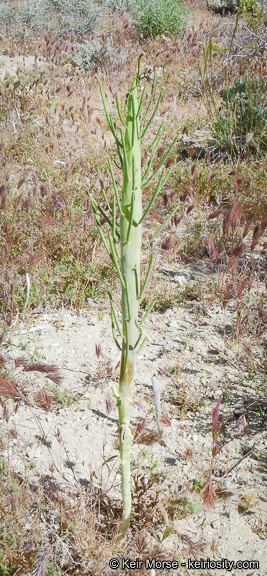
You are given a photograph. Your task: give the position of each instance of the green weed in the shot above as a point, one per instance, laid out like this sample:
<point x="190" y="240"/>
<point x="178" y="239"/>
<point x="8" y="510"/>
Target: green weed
<point x="64" y="398"/>
<point x="160" y="17"/>
<point x="241" y="124"/>
<point x="3" y="468"/>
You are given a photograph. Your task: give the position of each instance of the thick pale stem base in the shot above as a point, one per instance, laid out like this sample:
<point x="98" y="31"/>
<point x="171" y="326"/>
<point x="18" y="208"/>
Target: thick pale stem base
<point x="125" y="435"/>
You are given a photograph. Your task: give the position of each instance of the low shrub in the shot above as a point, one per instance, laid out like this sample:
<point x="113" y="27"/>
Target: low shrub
<point x="241" y="123"/>
<point x="78" y="16"/>
<point x="252" y="6"/>
<point x="6" y="15"/>
<point x="96" y="55"/>
<point x="119" y="5"/>
<point x="157" y="17"/>
<point x="32" y="15"/>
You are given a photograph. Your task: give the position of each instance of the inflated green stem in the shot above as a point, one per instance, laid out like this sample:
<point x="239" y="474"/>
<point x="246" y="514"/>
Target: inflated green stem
<point x="131" y="244"/>
<point x="129" y="206"/>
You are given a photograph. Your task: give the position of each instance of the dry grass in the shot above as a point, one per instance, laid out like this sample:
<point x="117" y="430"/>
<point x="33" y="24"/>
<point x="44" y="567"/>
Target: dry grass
<point x="54" y="145"/>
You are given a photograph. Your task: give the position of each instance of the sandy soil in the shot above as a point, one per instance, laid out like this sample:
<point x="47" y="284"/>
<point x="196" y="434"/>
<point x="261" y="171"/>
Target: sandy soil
<point x="9" y="66"/>
<point x="83" y="436"/>
<point x="186" y="348"/>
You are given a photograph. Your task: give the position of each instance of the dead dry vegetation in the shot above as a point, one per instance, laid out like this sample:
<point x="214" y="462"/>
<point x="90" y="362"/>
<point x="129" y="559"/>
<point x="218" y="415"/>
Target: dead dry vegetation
<point x="210" y="272"/>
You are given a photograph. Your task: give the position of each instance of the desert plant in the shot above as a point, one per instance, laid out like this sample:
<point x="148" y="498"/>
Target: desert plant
<point x="6" y="14"/>
<point x="156" y="17"/>
<point x="241" y="124"/>
<point x="119" y="5"/>
<point x="244" y="6"/>
<point x="32" y="15"/>
<point x="95" y="55"/>
<point x="79" y="16"/>
<point x="129" y="234"/>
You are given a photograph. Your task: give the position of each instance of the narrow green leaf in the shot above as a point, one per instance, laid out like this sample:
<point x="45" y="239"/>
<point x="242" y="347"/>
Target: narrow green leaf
<point x="115" y="187"/>
<point x="161" y="227"/>
<point x="114" y="313"/>
<point x="105" y="196"/>
<point x="119" y="111"/>
<point x="141" y="102"/>
<point x="131" y="216"/>
<point x="153" y="115"/>
<point x="147" y="277"/>
<point x="150" y="147"/>
<point x="140" y="334"/>
<point x="161" y="184"/>
<point x="125" y="162"/>
<point x="169" y="151"/>
<point x="150" y="101"/>
<point x="110" y="121"/>
<point x="152" y="200"/>
<point x="167" y="533"/>
<point x="142" y="345"/>
<point x="115" y="261"/>
<point x="101" y="231"/>
<point x="127" y="299"/>
<point x="106" y="217"/>
<point x="154" y="149"/>
<point x="148" y="310"/>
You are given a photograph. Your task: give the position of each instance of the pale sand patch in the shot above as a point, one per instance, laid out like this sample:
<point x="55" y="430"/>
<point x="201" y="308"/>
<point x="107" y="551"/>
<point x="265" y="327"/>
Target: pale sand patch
<point x="9" y="66"/>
